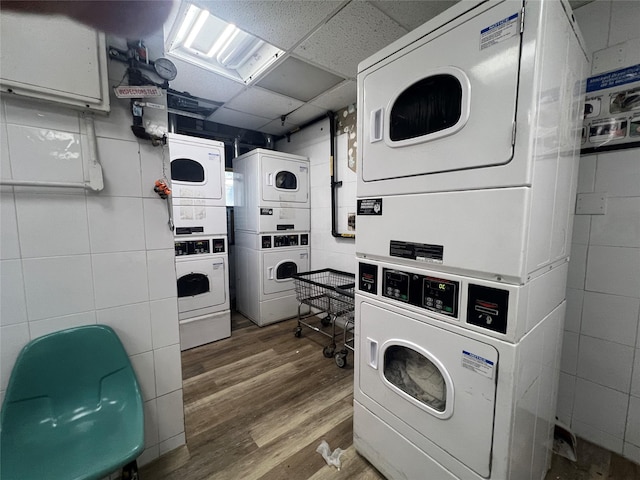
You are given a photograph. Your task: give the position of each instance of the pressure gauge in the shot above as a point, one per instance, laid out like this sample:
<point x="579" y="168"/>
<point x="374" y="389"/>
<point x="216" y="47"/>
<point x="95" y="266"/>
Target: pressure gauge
<point x="165" y="68"/>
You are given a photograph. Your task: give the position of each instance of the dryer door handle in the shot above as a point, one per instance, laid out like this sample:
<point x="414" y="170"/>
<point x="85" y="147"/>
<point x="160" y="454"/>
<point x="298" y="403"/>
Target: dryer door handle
<point x="376" y="121"/>
<point x="373" y="353"/>
<point x="269" y="179"/>
<point x="270" y="273"/>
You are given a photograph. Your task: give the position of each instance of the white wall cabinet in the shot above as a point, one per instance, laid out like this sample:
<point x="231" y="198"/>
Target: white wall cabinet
<point x="55" y="59"/>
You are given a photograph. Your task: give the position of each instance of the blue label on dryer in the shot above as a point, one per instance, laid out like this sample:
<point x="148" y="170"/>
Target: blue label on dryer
<point x="499" y="31"/>
<point x="478" y="364"/>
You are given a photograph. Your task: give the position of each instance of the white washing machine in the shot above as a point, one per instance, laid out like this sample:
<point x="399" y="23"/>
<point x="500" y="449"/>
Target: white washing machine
<point x="468" y="133"/>
<point x="469" y="126"/>
<point x="271" y="192"/>
<point x="436" y="399"/>
<point x="265" y="264"/>
<point x="198" y="185"/>
<point x="202" y="270"/>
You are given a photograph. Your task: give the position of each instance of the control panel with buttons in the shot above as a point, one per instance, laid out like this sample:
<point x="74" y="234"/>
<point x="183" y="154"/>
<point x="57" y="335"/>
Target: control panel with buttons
<point x="435" y="294"/>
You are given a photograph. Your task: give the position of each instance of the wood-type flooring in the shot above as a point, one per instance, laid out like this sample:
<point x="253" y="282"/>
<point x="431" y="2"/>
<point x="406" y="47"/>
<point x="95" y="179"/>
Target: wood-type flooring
<point x="258" y="404"/>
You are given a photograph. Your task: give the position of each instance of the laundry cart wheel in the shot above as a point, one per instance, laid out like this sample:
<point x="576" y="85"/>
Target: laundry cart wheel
<point x="341" y="359"/>
<point x="328" y="351"/>
<point x="326" y="321"/>
<point x="298" y="332"/>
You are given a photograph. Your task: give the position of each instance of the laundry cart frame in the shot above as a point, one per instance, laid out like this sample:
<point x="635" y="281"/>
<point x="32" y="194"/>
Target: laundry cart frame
<point x="330" y="292"/>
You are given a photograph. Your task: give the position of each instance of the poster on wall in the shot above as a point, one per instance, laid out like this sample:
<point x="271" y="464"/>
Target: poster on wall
<point x="612" y="111"/>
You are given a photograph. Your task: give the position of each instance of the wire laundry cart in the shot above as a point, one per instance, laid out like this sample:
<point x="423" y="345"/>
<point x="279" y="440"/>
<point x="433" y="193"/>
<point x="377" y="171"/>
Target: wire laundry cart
<point x="330" y="292"/>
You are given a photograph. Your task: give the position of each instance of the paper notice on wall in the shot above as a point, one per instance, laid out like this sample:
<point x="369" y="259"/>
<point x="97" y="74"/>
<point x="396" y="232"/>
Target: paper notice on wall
<point x="499" y="31"/>
<point x="612" y="111"/>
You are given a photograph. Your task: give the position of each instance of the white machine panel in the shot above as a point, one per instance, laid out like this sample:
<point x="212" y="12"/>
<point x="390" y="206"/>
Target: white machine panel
<point x="279" y="266"/>
<point x="198" y="219"/>
<point x="197" y="170"/>
<point x="214" y="272"/>
<point x="433" y="359"/>
<point x="271" y="191"/>
<point x="441" y="100"/>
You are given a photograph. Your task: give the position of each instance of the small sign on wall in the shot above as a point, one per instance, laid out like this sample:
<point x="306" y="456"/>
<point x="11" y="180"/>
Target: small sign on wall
<point x="612" y="111"/>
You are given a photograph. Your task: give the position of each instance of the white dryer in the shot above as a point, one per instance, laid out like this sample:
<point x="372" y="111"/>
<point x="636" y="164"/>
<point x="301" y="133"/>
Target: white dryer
<point x="265" y="265"/>
<point x="198" y="185"/>
<point x="202" y="270"/>
<point x="434" y="398"/>
<point x="271" y="191"/>
<point x="468" y="126"/>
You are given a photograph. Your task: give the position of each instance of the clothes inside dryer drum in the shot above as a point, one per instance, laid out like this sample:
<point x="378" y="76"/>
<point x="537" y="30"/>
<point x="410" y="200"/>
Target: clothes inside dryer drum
<point x="286" y="180"/>
<point x="416" y="376"/>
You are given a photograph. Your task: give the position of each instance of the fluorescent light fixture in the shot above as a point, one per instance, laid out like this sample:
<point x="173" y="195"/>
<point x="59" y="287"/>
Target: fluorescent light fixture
<point x="186" y="23"/>
<point x="227" y="37"/>
<point x="202" y="18"/>
<point x="209" y="42"/>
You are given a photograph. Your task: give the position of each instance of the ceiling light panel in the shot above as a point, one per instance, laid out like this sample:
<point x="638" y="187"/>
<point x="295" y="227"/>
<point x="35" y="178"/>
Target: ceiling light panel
<point x="211" y="43"/>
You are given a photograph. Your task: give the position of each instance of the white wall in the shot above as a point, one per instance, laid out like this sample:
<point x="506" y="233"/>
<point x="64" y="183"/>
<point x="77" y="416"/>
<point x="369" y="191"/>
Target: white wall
<point x="70" y="258"/>
<point x="599" y="394"/>
<point x="313" y="142"/>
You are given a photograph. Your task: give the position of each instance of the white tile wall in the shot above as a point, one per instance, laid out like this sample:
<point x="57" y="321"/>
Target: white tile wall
<point x="120" y="167"/>
<point x="39" y="328"/>
<point x="613" y="270"/>
<point x="620" y="227"/>
<point x="625" y="18"/>
<point x="569" y="359"/>
<point x="168" y="372"/>
<point x="44" y="154"/>
<point x="573" y="315"/>
<point x="171" y="412"/>
<point x="160" y="266"/>
<point x="604" y="274"/>
<point x="164" y="328"/>
<point x="635" y="378"/>
<point x="618" y="173"/>
<point x="132" y="323"/>
<point x="70" y="257"/>
<point x="116" y="224"/>
<point x="605" y="363"/>
<point x="13" y="308"/>
<point x="600" y="407"/>
<point x="51" y="225"/>
<point x="10" y="245"/>
<point x="12" y="339"/>
<point x="610" y="317"/>
<point x="57" y="286"/>
<point x="120" y="278"/>
<point x="633" y="422"/>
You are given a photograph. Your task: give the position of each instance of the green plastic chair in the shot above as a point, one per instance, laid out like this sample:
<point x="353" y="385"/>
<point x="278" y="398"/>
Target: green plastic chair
<point x="73" y="408"/>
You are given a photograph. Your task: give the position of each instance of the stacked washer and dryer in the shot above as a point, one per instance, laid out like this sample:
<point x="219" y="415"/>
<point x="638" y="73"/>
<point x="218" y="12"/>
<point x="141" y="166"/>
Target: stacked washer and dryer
<point x="200" y="219"/>
<point x="272" y="232"/>
<point x="467" y="162"/>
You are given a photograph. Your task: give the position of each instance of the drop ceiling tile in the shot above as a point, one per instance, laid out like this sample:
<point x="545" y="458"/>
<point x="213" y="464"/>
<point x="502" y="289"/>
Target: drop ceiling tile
<point x="338" y="97"/>
<point x="263" y="103"/>
<point x="275" y="127"/>
<point x="282" y="23"/>
<point x="411" y="14"/>
<point x="356" y="32"/>
<point x="305" y="114"/>
<point x="286" y="79"/>
<point x="226" y="116"/>
<point x="203" y="83"/>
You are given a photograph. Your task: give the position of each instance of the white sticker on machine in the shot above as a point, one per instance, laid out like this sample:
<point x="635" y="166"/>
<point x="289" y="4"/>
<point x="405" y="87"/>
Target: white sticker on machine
<point x="499" y="31"/>
<point x="478" y="364"/>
